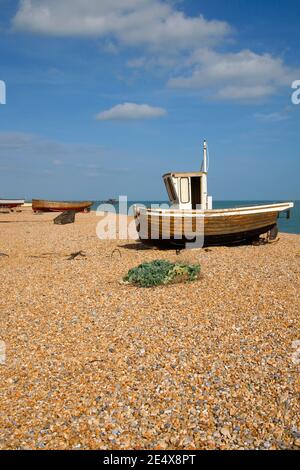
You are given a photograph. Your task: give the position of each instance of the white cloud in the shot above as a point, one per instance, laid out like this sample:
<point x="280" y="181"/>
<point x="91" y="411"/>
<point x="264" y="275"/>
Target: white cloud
<point x="153" y="23"/>
<point x="137" y="63"/>
<point x="166" y="39"/>
<point x="56" y="153"/>
<point x="245" y="92"/>
<point x="276" y="116"/>
<point x="159" y="61"/>
<point x="244" y="75"/>
<point x="110" y="47"/>
<point x="32" y="153"/>
<point x="40" y="167"/>
<point x="128" y="111"/>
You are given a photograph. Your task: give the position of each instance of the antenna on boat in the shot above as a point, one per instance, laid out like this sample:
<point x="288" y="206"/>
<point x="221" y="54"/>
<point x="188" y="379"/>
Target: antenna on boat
<point x="204" y="163"/>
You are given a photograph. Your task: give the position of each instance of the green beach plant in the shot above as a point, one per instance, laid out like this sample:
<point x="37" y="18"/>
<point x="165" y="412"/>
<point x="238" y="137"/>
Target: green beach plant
<point x="159" y="272"/>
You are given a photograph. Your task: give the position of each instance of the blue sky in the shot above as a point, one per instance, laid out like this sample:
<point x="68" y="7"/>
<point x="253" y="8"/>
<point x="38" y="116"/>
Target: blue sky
<point x="103" y="97"/>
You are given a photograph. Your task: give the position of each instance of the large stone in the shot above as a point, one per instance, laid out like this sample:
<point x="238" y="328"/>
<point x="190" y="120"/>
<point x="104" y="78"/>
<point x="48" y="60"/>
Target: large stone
<point x="66" y="217"/>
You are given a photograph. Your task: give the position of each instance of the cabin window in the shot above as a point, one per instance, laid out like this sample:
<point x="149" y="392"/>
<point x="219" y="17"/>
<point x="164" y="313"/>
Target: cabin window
<point x="170" y="189"/>
<point x="184" y="190"/>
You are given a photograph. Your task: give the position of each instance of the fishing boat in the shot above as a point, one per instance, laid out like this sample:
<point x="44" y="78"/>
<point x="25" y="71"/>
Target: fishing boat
<point x="191" y="219"/>
<point x="111" y="201"/>
<point x="11" y="203"/>
<point x="41" y="205"/>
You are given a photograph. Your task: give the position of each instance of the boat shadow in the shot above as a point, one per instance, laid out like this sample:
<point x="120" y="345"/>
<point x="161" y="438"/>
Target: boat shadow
<point x="138" y="246"/>
<point x="22" y="221"/>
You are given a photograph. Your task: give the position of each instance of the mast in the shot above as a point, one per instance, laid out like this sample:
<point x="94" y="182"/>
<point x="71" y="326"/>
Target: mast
<point x="204" y="198"/>
<point x="204" y="164"/>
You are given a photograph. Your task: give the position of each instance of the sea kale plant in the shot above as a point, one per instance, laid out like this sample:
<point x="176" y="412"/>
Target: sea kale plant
<point x="160" y="271"/>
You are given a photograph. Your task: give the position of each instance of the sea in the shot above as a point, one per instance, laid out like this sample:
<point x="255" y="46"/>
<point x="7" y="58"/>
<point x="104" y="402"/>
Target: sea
<point x="291" y="225"/>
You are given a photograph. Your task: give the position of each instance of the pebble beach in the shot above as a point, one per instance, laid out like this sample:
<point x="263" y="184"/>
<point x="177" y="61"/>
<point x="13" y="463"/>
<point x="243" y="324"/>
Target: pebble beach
<point x="91" y="363"/>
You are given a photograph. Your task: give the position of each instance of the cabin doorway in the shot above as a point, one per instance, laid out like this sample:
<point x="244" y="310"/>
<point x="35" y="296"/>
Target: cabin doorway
<point x="196" y="191"/>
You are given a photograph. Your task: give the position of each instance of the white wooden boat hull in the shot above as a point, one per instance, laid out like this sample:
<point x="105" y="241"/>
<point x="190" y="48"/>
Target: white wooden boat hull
<point x="207" y="227"/>
<point x="10" y="203"/>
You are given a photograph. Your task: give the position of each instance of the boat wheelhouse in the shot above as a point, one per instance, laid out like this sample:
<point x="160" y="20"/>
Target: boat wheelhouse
<point x="189" y="190"/>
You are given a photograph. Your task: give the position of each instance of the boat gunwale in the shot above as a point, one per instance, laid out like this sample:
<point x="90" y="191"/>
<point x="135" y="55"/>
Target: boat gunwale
<point x="12" y="201"/>
<point x="246" y="210"/>
<point x="47" y="201"/>
<point x="45" y="205"/>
